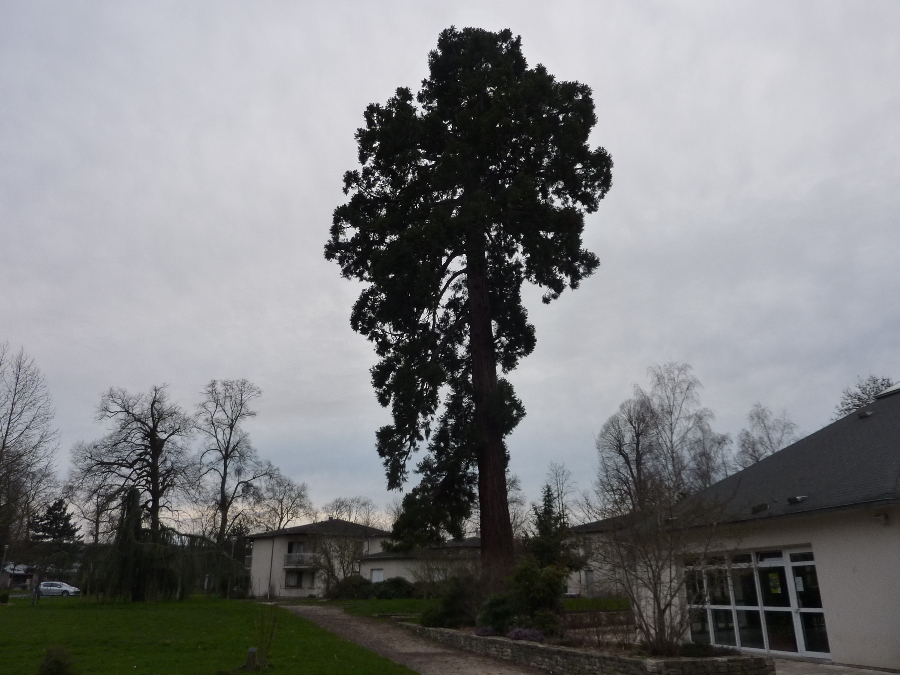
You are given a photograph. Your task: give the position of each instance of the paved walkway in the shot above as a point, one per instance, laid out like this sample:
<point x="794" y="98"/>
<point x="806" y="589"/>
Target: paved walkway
<point x="421" y="655"/>
<point x="792" y="667"/>
<point x="431" y="658"/>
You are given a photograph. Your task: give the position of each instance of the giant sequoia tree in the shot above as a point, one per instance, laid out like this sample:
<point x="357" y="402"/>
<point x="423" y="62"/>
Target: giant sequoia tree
<point x="477" y="183"/>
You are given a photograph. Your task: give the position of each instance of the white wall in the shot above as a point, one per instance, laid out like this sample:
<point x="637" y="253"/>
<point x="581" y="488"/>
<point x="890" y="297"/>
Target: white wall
<point x="858" y="565"/>
<point x="266" y="559"/>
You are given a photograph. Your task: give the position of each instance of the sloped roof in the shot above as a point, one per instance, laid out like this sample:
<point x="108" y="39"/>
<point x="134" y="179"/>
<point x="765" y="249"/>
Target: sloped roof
<point x="333" y="527"/>
<point x="851" y="462"/>
<point x="461" y="546"/>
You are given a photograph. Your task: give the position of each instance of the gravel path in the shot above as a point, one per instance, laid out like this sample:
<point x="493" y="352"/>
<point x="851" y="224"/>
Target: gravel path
<point x="423" y="656"/>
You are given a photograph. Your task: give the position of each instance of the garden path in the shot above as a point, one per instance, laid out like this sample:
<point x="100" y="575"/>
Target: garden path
<point x="401" y="646"/>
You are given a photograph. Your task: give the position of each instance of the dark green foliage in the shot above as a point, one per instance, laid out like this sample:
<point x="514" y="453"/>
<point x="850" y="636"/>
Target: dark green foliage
<point x="136" y="569"/>
<point x="534" y="599"/>
<point x="498" y="613"/>
<point x="549" y="540"/>
<point x="55" y="524"/>
<point x="395" y="588"/>
<point x="353" y="587"/>
<point x="57" y="661"/>
<point x="469" y="188"/>
<point x="457" y="604"/>
<point x="4" y="597"/>
<point x="538" y="587"/>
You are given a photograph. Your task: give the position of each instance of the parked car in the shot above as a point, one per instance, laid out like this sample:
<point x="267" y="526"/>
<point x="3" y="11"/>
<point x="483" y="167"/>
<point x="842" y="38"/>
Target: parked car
<point x="58" y="588"/>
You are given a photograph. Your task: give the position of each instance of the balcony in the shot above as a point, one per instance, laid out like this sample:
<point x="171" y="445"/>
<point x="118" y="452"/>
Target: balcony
<point x="299" y="559"/>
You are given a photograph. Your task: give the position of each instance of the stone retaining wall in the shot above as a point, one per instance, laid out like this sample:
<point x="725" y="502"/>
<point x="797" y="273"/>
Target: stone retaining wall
<point x="567" y="661"/>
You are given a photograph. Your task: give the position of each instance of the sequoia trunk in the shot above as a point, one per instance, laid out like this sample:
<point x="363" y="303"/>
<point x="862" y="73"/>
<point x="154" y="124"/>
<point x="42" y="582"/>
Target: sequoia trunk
<point x="496" y="530"/>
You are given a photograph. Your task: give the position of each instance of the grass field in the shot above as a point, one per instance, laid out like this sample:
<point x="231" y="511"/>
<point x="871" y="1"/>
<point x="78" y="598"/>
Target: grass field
<point x="595" y="604"/>
<point x="198" y="637"/>
<point x="380" y="607"/>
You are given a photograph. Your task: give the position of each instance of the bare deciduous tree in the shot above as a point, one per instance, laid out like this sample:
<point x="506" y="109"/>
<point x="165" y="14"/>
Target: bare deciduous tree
<point x="27" y="442"/>
<point x="767" y="435"/>
<point x="655" y="453"/>
<point x="678" y="419"/>
<point x="227" y="459"/>
<point x="710" y="458"/>
<point x="94" y="495"/>
<point x="862" y="393"/>
<point x="280" y="502"/>
<point x="559" y="478"/>
<point x="629" y="457"/>
<point x="359" y="510"/>
<point x="145" y="449"/>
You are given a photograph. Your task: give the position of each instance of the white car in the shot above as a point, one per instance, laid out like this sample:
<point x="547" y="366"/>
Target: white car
<point x="58" y="588"/>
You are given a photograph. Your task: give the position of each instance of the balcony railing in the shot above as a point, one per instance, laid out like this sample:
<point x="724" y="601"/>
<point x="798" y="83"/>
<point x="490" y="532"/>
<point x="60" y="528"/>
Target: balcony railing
<point x="299" y="559"/>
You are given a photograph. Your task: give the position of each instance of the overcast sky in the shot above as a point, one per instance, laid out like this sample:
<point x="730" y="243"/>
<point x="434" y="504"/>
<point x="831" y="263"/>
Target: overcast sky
<point x="168" y="173"/>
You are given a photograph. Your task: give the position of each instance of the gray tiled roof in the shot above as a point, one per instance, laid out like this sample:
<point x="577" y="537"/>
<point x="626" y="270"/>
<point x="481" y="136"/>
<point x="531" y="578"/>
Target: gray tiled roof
<point x="333" y="527"/>
<point x="851" y="462"/>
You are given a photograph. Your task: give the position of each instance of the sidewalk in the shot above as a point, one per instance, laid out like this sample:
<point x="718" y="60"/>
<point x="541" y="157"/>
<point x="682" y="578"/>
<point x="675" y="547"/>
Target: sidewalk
<point x="792" y="667"/>
<point x="423" y="656"/>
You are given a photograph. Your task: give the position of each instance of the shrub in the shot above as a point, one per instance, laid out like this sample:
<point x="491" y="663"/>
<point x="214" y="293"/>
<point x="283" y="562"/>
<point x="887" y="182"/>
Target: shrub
<point x="395" y="588"/>
<point x="484" y="631"/>
<point x="456" y="606"/>
<point x="498" y="613"/>
<point x="4" y="597"/>
<point x="57" y="661"/>
<point x="351" y="588"/>
<point x="534" y="600"/>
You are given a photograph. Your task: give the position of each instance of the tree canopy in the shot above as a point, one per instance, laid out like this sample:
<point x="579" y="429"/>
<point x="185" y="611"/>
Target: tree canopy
<point x="861" y="394"/>
<point x="477" y="183"/>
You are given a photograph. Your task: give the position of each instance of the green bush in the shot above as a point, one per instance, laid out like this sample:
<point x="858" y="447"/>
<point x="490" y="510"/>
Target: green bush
<point x="457" y="604"/>
<point x="395" y="588"/>
<point x="353" y="587"/>
<point x="4" y="597"/>
<point x="498" y="613"/>
<point x="534" y="600"/>
<point x="57" y="661"/>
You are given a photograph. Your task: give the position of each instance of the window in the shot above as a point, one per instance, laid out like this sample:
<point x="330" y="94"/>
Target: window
<point x="293" y="579"/>
<point x="377" y="576"/>
<point x="766" y="600"/>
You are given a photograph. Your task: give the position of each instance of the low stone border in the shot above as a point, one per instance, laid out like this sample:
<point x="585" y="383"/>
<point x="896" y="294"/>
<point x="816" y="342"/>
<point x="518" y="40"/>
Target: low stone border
<point x="578" y="662"/>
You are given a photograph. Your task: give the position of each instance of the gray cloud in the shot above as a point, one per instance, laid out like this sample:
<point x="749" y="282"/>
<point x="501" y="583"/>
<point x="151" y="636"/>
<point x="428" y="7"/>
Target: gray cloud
<point x="168" y="172"/>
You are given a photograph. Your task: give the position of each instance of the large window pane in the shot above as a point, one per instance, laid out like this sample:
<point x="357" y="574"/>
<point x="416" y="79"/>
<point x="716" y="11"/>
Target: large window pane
<point x="718" y="587"/>
<point x="807" y="584"/>
<point x="694" y="585"/>
<point x="744" y="588"/>
<point x="773" y="584"/>
<point x="723" y="627"/>
<point x="780" y="629"/>
<point x="814" y="631"/>
<point x="699" y="627"/>
<point x="750" y="628"/>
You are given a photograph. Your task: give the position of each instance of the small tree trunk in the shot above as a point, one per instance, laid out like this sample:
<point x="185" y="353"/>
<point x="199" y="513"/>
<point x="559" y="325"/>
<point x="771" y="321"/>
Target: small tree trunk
<point x="496" y="530"/>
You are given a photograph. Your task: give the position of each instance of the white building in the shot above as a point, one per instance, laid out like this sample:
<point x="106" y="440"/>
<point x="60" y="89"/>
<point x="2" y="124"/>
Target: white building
<point x="298" y="562"/>
<point x="807" y="559"/>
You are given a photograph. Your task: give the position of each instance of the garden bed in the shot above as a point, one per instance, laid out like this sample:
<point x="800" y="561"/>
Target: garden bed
<point x="584" y="662"/>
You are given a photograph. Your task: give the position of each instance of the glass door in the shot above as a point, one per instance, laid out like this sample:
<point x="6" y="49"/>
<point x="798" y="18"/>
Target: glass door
<point x="766" y="600"/>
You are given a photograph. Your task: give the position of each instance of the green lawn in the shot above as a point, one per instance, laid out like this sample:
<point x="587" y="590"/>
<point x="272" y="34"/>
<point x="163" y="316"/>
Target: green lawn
<point x="198" y="637"/>
<point x="595" y="604"/>
<point x="381" y="607"/>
